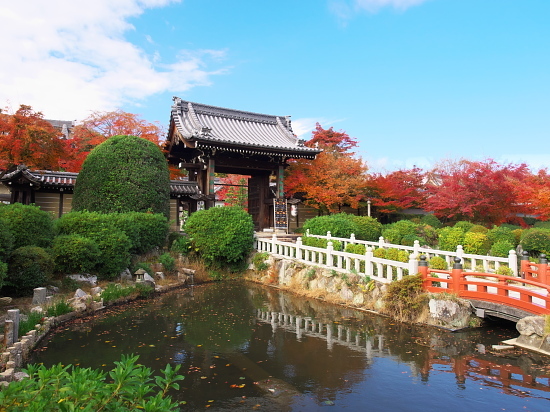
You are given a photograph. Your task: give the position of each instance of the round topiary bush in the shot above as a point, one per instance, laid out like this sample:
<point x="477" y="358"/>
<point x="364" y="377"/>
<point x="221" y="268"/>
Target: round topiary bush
<point x="75" y="254"/>
<point x="476" y="243"/>
<point x="339" y="225"/>
<point x="501" y="248"/>
<point x="367" y="228"/>
<point x="6" y="241"/>
<point x="394" y="232"/>
<point x="450" y="238"/>
<point x="438" y="263"/>
<point x="536" y="241"/>
<point x="221" y="236"/>
<point x="501" y="234"/>
<point x="29" y="267"/>
<point x="431" y="220"/>
<point x="28" y="225"/>
<point x="124" y="174"/>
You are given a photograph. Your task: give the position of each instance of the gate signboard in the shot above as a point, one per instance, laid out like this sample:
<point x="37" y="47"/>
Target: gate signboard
<point x="280" y="214"/>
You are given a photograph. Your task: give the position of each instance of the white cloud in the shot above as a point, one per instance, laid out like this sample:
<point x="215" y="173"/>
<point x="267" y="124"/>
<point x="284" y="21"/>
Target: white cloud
<point x="345" y="9"/>
<point x="304" y="126"/>
<point x="67" y="58"/>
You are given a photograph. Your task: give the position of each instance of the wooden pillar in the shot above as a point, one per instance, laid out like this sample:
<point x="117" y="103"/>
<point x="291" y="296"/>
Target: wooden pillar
<point x="210" y="179"/>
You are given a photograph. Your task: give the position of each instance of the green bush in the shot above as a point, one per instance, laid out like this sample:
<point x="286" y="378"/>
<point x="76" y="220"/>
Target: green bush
<point x="143" y="265"/>
<point x="478" y="229"/>
<point x="3" y="273"/>
<point x="450" y="238"/>
<point x="75" y="254"/>
<point x="6" y="241"/>
<point x="427" y="235"/>
<point x="392" y="235"/>
<point x="221" y="236"/>
<point x="379" y="253"/>
<point x="58" y="308"/>
<point x="357" y="249"/>
<point x="536" y="241"/>
<point x="394" y="232"/>
<point x="339" y="225"/>
<point x="114" y="247"/>
<point x="408" y="240"/>
<point x="124" y="174"/>
<point x="438" y="263"/>
<point x="505" y="270"/>
<point x="167" y="261"/>
<point x="463" y="225"/>
<point x="501" y="234"/>
<point x="542" y="225"/>
<point x="431" y="220"/>
<point x="28" y="224"/>
<point x="392" y="253"/>
<point x="476" y="243"/>
<point x="29" y="267"/>
<point x="321" y="243"/>
<point x="181" y="245"/>
<point x="127" y="387"/>
<point x="501" y="248"/>
<point x="367" y="228"/>
<point x="259" y="261"/>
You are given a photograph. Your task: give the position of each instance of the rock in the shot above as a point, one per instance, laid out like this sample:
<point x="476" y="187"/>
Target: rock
<point x="148" y="278"/>
<point x="84" y="277"/>
<point x="53" y="289"/>
<point x="149" y="283"/>
<point x="39" y="296"/>
<point x="96" y="291"/>
<point x="346" y="294"/>
<point x="19" y="376"/>
<point x="125" y="275"/>
<point x="37" y="309"/>
<point x="80" y="293"/>
<point x="78" y="304"/>
<point x="449" y="313"/>
<point x="358" y="299"/>
<point x="531" y="325"/>
<point x="159" y="275"/>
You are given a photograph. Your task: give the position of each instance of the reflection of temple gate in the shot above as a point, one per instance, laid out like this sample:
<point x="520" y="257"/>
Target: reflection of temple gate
<point x="207" y="140"/>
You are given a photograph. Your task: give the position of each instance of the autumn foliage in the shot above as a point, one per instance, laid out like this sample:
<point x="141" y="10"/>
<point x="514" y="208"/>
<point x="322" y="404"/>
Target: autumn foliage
<point x="397" y="191"/>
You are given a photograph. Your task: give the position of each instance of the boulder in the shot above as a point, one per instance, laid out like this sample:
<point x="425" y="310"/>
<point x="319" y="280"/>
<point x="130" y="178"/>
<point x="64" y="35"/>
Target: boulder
<point x="531" y="325"/>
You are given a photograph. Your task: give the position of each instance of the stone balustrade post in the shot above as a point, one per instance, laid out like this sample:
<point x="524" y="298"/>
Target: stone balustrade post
<point x="299" y="248"/>
<point x="368" y="261"/>
<point x="15" y="316"/>
<point x="8" y="333"/>
<point x="513" y="261"/>
<point x="330" y="249"/>
<point x="416" y="247"/>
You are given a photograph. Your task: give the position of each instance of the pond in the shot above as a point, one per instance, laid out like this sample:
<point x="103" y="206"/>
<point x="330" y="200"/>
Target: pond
<point x="244" y="346"/>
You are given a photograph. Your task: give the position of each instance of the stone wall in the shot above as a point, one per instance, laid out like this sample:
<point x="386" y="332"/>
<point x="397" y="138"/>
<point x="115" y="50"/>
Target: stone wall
<point x="445" y="311"/>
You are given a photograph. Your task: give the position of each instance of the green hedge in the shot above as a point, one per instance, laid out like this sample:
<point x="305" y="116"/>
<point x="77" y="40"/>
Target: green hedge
<point x="28" y="225"/>
<point x="29" y="267"/>
<point x="536" y="241"/>
<point x="6" y="241"/>
<point x="450" y="238"/>
<point x="221" y="236"/>
<point x="339" y="225"/>
<point x="476" y="243"/>
<point x="75" y="254"/>
<point x="124" y="174"/>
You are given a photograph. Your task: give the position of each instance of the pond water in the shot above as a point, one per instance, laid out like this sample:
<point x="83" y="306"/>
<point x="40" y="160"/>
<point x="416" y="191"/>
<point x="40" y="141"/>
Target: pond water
<point x="247" y="347"/>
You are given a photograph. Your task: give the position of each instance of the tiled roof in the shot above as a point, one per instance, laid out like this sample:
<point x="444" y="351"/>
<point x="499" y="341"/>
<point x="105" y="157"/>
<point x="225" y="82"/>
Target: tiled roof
<point x="210" y="125"/>
<point x="51" y="179"/>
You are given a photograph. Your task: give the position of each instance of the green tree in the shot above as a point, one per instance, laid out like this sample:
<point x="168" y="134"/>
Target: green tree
<point x="124" y="174"/>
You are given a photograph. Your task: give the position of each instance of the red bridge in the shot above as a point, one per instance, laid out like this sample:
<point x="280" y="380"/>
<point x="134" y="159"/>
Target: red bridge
<point x="508" y="297"/>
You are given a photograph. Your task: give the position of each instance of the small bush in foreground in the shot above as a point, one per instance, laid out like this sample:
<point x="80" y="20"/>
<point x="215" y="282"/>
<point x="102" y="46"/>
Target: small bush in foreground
<point x="69" y="388"/>
<point x="405" y="299"/>
<point x="58" y="308"/>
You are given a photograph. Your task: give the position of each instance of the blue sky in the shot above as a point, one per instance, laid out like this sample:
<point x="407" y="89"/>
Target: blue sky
<point x="415" y="81"/>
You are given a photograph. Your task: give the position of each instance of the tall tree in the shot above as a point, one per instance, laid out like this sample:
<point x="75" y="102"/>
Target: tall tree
<point x="534" y="194"/>
<point x="27" y="138"/>
<point x="399" y="190"/>
<point x="478" y="191"/>
<point x="334" y="179"/>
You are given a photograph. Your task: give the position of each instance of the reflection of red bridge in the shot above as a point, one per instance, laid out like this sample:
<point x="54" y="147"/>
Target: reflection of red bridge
<point x="509" y="297"/>
<point x="508" y="377"/>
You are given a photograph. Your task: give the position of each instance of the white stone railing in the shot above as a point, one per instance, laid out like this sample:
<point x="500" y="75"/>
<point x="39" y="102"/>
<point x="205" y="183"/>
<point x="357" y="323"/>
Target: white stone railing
<point x="382" y="270"/>
<point x="471" y="262"/>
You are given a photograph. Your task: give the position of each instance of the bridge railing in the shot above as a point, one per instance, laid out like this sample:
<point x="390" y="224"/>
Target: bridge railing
<point x="471" y="262"/>
<point x="525" y="294"/>
<point x="539" y="272"/>
<point x="382" y="270"/>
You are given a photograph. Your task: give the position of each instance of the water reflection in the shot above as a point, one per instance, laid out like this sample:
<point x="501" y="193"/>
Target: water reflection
<point x="246" y="346"/>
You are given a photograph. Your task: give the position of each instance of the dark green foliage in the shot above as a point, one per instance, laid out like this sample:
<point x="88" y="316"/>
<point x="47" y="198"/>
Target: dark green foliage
<point x="28" y="224"/>
<point x="431" y="220"/>
<point x="3" y="273"/>
<point x="321" y="243"/>
<point x="501" y="234"/>
<point x="75" y="254"/>
<point x="127" y="387"/>
<point x="428" y="235"/>
<point x="28" y="323"/>
<point x="339" y="225"/>
<point x="408" y="240"/>
<point x="29" y="267"/>
<point x="143" y="265"/>
<point x="478" y="229"/>
<point x="167" y="261"/>
<point x="404" y="299"/>
<point x="58" y="308"/>
<point x="367" y="228"/>
<point x="124" y="174"/>
<point x="476" y="243"/>
<point x="6" y="241"/>
<point x="358" y="249"/>
<point x="181" y="245"/>
<point x="114" y="247"/>
<point x="450" y="238"/>
<point x="536" y="241"/>
<point x="464" y="225"/>
<point x="501" y="248"/>
<point x="394" y="232"/>
<point x="221" y="236"/>
<point x="542" y="225"/>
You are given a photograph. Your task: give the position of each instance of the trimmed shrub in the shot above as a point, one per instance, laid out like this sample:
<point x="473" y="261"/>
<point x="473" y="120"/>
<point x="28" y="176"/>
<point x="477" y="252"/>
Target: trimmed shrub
<point x="392" y="235"/>
<point x="321" y="243"/>
<point x="145" y="230"/>
<point x="6" y="241"/>
<point x="403" y="256"/>
<point x="3" y="273"/>
<point x="505" y="270"/>
<point x="379" y="253"/>
<point x="392" y="254"/>
<point x="114" y="247"/>
<point x="221" y="236"/>
<point x="438" y="263"/>
<point x="501" y="248"/>
<point x="75" y="254"/>
<point x="464" y="225"/>
<point x="357" y="249"/>
<point x="478" y="229"/>
<point x="431" y="220"/>
<point x="427" y="235"/>
<point x="167" y="261"/>
<point x="28" y="224"/>
<point x="339" y="225"/>
<point x="536" y="241"/>
<point x="501" y="234"/>
<point x="450" y="238"/>
<point x="124" y="174"/>
<point x="29" y="267"/>
<point x="408" y="240"/>
<point x="367" y="228"/>
<point x="394" y="232"/>
<point x="476" y="243"/>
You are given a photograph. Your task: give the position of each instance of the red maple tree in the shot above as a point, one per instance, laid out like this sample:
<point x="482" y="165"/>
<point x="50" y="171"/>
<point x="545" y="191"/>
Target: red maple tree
<point x="399" y="190"/>
<point x="27" y="138"/>
<point x="334" y="179"/>
<point x="534" y="193"/>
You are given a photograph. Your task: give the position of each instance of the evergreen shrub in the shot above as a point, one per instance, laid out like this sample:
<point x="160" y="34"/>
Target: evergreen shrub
<point x="167" y="261"/>
<point x="124" y="174"/>
<point x="29" y="267"/>
<point x="501" y="234"/>
<point x="145" y="230"/>
<point x="321" y="243"/>
<point x="339" y="225"/>
<point x="464" y="225"/>
<point x="221" y="236"/>
<point x="3" y="273"/>
<point x="356" y="248"/>
<point x="392" y="254"/>
<point x="476" y="243"/>
<point x="408" y="240"/>
<point x="379" y="253"/>
<point x="428" y="235"/>
<point x="431" y="220"/>
<point x="438" y="263"/>
<point x="28" y="224"/>
<point x="6" y="241"/>
<point x="394" y="232"/>
<point x="367" y="228"/>
<point x="536" y="241"/>
<point x="450" y="238"/>
<point x="501" y="248"/>
<point x="114" y="247"/>
<point x="478" y="229"/>
<point x="75" y="254"/>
